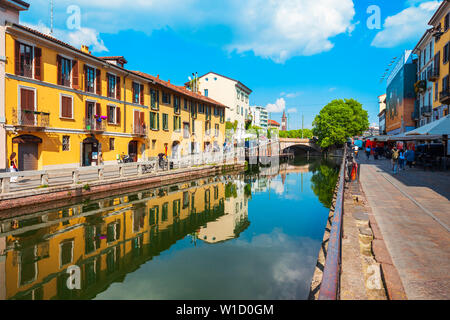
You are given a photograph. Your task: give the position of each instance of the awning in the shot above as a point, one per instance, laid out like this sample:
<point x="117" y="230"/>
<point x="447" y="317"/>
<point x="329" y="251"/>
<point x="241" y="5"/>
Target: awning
<point x="403" y="137"/>
<point x="26" y="138"/>
<point x="439" y="127"/>
<point x="379" y="138"/>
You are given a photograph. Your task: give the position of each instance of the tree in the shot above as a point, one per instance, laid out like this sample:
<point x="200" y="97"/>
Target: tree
<point x="339" y="120"/>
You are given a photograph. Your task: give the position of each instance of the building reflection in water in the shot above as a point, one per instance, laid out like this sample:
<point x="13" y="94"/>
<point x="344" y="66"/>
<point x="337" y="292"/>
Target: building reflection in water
<point x="110" y="238"/>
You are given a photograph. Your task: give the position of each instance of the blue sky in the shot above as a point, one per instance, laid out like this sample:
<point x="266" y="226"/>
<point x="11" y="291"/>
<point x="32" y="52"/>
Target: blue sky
<point x="295" y="55"/>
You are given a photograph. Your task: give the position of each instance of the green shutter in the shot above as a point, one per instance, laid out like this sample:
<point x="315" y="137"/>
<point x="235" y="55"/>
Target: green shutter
<point x="157" y="118"/>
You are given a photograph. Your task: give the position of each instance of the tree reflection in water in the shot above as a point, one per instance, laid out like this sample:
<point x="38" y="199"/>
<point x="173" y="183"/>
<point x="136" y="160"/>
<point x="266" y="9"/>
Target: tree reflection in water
<point x="323" y="180"/>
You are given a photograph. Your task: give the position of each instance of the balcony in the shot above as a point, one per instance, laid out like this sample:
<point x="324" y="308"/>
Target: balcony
<point x="444" y="96"/>
<point x="36" y="120"/>
<point x="415" y="115"/>
<point x="140" y="131"/>
<point x="426" y="111"/>
<point x="433" y="74"/>
<point x="94" y="125"/>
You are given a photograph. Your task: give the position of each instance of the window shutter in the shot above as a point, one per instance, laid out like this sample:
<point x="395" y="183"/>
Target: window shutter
<point x="37" y="63"/>
<point x="108" y="113"/>
<point x="98" y="109"/>
<point x="17" y="57"/>
<point x="118" y="88"/>
<point x="118" y="115"/>
<point x="86" y="109"/>
<point x="58" y="63"/>
<point x="174" y="123"/>
<point x="179" y="122"/>
<point x="75" y="75"/>
<point x="157" y="120"/>
<point x="85" y="77"/>
<point x="98" y="80"/>
<point x="157" y="99"/>
<point x="142" y="94"/>
<point x="142" y="117"/>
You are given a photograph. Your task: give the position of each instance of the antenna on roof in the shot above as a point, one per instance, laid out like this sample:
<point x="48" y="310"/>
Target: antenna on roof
<point x="51" y="16"/>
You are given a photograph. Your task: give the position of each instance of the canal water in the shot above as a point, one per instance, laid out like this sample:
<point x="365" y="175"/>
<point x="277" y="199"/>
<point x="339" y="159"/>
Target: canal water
<point x="247" y="236"/>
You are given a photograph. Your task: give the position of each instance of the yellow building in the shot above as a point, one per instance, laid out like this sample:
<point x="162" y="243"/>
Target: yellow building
<point x="67" y="108"/>
<point x="440" y="74"/>
<point x="106" y="239"/>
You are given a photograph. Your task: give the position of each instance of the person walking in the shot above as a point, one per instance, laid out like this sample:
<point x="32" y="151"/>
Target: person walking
<point x="401" y="160"/>
<point x="368" y="152"/>
<point x="410" y="157"/>
<point x="395" y="155"/>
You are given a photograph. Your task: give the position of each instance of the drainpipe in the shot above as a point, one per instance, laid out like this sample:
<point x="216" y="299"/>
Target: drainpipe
<point x="125" y="103"/>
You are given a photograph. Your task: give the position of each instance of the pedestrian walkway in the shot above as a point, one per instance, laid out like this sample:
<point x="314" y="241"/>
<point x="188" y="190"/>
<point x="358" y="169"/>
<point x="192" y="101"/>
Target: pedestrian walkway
<point x="412" y="210"/>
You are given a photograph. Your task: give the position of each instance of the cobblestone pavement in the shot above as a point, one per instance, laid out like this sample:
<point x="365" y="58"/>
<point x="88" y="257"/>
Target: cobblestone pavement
<point x="412" y="211"/>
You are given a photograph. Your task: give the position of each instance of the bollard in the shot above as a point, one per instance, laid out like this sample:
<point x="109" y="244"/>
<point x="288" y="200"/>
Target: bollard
<point x="100" y="174"/>
<point x="139" y="169"/>
<point x="121" y="171"/>
<point x="44" y="179"/>
<point x="75" y="176"/>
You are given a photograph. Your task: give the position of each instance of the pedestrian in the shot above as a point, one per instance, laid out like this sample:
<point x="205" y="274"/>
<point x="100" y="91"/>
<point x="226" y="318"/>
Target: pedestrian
<point x="356" y="148"/>
<point x="401" y="160"/>
<point x="394" y="160"/>
<point x="368" y="152"/>
<point x="410" y="157"/>
<point x="376" y="152"/>
<point x="13" y="166"/>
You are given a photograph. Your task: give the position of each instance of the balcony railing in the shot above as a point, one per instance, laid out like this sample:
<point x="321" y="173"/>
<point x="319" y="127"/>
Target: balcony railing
<point x="140" y="130"/>
<point x="425" y="111"/>
<point x="415" y="115"/>
<point x="28" y="118"/>
<point x="444" y="96"/>
<point x="433" y="74"/>
<point x="93" y="124"/>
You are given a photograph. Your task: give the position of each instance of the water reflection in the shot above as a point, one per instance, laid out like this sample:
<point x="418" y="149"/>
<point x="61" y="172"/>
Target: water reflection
<point x="192" y="240"/>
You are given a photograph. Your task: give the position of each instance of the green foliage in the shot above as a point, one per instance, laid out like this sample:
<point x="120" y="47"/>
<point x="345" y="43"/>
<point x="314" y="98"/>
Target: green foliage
<point x="230" y="190"/>
<point x="231" y="125"/>
<point x="323" y="183"/>
<point x="248" y="190"/>
<point x="307" y="134"/>
<point x="87" y="187"/>
<point x="339" y="120"/>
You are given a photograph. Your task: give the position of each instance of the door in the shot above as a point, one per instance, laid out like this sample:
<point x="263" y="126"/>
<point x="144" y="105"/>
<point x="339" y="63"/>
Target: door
<point x="28" y="156"/>
<point x="26" y="107"/>
<point x="90" y="112"/>
<point x="132" y="150"/>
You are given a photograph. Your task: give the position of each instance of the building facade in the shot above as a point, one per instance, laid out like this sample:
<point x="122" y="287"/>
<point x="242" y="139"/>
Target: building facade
<point x="424" y="87"/>
<point x="441" y="34"/>
<point x="67" y="108"/>
<point x="230" y="92"/>
<point x="382" y="114"/>
<point x="260" y="117"/>
<point x="400" y="95"/>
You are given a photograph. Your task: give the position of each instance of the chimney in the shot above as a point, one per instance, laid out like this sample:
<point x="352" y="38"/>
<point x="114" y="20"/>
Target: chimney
<point x="85" y="49"/>
<point x="168" y="81"/>
<point x="157" y="77"/>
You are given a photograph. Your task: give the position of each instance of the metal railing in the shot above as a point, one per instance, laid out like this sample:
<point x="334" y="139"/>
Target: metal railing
<point x="329" y="288"/>
<point x="444" y="96"/>
<point x="93" y="124"/>
<point x="425" y="110"/>
<point x="140" y="130"/>
<point x="29" y="118"/>
<point x="13" y="181"/>
<point x="433" y="74"/>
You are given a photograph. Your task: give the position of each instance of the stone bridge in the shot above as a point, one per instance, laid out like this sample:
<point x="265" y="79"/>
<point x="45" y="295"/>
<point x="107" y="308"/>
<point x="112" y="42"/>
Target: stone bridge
<point x="290" y="144"/>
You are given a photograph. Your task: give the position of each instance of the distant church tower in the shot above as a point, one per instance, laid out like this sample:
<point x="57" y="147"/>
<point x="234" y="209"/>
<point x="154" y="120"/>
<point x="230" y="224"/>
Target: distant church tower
<point x="284" y="122"/>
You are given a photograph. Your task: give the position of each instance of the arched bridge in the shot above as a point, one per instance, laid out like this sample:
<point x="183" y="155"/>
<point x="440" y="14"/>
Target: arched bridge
<point x="294" y="143"/>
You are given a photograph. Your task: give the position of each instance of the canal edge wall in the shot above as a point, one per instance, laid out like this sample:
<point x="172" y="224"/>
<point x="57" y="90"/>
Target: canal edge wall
<point x="44" y="195"/>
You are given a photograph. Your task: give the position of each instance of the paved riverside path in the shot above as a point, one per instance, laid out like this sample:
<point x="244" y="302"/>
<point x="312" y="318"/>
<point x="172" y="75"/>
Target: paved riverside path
<point x="412" y="210"/>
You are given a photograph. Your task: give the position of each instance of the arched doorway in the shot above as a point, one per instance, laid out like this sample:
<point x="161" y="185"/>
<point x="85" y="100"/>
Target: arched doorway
<point x="27" y="151"/>
<point x="91" y="149"/>
<point x="133" y="150"/>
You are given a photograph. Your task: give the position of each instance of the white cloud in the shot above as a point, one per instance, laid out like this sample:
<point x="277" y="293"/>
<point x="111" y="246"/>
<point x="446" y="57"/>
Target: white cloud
<point x="76" y="38"/>
<point x="406" y="25"/>
<point x="290" y="95"/>
<point x="292" y="110"/>
<point x="332" y="89"/>
<point x="276" y="107"/>
<point x="274" y="29"/>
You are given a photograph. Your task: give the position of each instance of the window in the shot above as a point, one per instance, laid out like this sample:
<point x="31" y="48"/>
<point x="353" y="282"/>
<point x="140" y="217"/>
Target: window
<point x="166" y="98"/>
<point x="153" y="215"/>
<point x="25" y="60"/>
<point x="112" y="114"/>
<point x="207" y="127"/>
<point x="185" y="107"/>
<point x="111" y="144"/>
<point x="185" y="200"/>
<point x="176" y="104"/>
<point x="65" y="67"/>
<point x="201" y="108"/>
<point x="242" y="111"/>
<point x="186" y="132"/>
<point x="111" y="79"/>
<point x="89" y="76"/>
<point x="216" y="130"/>
<point x="222" y="115"/>
<point x="216" y="111"/>
<point x="165" y="121"/>
<point x="66" y="143"/>
<point x="176" y="208"/>
<point x="446" y="22"/>
<point x="176" y="123"/>
<point x="112" y="231"/>
<point x="237" y="109"/>
<point x="154" y="121"/>
<point x="66" y="107"/>
<point x="206" y="92"/>
<point x="208" y="112"/>
<point x="446" y="53"/>
<point x="216" y="193"/>
<point x="165" y="211"/>
<point x="154" y="97"/>
<point x="194" y="110"/>
<point x="66" y="252"/>
<point x="136" y="92"/>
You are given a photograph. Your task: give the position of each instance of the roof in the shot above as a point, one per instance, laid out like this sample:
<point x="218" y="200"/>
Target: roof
<point x="115" y="58"/>
<point x="426" y="35"/>
<point x="438" y="12"/>
<point x="179" y="89"/>
<point x="273" y="123"/>
<point x="18" y="4"/>
<point x="240" y="84"/>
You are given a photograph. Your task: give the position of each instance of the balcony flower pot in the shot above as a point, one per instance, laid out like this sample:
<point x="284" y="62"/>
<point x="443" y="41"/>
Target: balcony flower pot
<point x="103" y="117"/>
